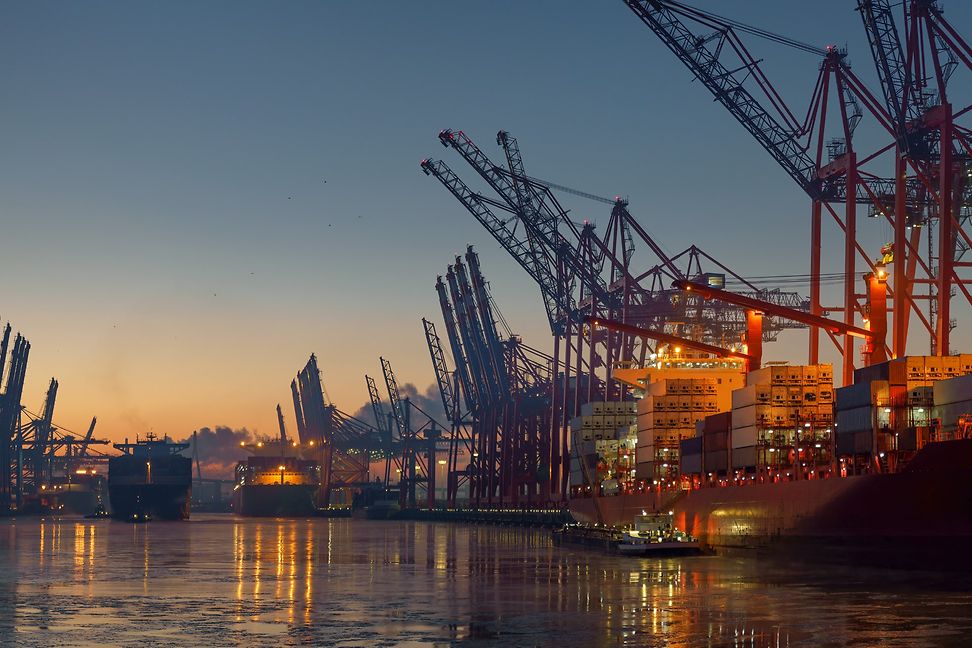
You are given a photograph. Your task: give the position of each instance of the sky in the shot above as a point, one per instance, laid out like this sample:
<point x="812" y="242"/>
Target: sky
<point x="196" y="196"/>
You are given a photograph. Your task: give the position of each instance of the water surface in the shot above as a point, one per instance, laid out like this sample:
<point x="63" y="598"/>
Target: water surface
<point x="221" y="581"/>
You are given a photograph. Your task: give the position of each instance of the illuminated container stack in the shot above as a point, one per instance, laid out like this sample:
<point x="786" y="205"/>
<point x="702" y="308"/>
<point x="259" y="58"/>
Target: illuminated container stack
<point x="894" y="408"/>
<point x="667" y="414"/>
<point x="604" y="441"/>
<point x="783" y="420"/>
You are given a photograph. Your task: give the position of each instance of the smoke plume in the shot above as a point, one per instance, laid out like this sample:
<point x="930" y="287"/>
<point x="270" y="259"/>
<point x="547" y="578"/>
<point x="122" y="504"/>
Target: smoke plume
<point x="429" y="401"/>
<point x="219" y="450"/>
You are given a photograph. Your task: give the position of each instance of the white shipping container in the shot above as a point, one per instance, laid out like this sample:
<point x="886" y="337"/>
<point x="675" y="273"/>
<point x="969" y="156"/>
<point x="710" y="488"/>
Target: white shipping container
<point x="744" y="397"/>
<point x="953" y="390"/>
<point x="743" y="436"/>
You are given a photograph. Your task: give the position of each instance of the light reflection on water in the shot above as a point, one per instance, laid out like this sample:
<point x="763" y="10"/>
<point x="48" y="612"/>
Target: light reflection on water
<point x="224" y="581"/>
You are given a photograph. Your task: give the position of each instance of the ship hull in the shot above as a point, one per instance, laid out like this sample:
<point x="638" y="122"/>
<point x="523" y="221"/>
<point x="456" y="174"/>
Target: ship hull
<point x="159" y="487"/>
<point x="275" y="500"/>
<point x="165" y="502"/>
<point x="919" y="518"/>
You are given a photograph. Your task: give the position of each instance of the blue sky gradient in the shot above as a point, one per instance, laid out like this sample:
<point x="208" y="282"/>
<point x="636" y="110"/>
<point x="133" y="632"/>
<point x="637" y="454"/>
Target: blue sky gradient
<point x="171" y="247"/>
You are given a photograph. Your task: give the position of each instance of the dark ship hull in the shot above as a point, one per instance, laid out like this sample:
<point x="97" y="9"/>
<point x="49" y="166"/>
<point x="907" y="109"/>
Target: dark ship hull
<point x="919" y="518"/>
<point x="159" y="488"/>
<point x="275" y="500"/>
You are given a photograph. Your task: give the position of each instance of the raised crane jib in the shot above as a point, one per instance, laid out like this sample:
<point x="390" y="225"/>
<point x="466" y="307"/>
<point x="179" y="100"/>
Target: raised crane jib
<point x="554" y="300"/>
<point x="442" y="377"/>
<point x="693" y="48"/>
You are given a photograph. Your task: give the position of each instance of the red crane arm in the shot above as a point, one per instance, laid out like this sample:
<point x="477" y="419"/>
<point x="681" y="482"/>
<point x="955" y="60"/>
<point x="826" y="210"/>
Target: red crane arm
<point x="772" y="309"/>
<point x="661" y="336"/>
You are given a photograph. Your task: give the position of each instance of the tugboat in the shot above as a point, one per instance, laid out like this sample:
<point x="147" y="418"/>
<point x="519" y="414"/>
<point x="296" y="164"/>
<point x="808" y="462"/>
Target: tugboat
<point x="649" y="535"/>
<point x="150" y="479"/>
<point x="276" y="481"/>
<point x="654" y="534"/>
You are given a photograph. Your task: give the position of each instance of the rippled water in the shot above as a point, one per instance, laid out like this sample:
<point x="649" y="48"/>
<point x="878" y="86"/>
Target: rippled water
<point x="222" y="581"/>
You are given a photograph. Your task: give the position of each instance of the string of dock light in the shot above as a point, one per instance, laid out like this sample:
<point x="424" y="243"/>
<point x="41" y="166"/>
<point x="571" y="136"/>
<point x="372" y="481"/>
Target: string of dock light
<point x="295" y="444"/>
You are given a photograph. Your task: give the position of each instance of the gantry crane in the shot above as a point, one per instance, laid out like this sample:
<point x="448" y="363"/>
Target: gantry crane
<point x="705" y="42"/>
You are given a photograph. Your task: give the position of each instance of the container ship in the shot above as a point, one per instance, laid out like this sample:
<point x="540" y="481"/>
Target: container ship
<point x="277" y="480"/>
<point x="778" y="460"/>
<point x="150" y="479"/>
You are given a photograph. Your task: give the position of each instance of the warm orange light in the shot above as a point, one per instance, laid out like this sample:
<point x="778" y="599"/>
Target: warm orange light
<point x="242" y="444"/>
<point x="282" y="467"/>
<point x="81" y="471"/>
<point x="312" y="443"/>
<point x="259" y="444"/>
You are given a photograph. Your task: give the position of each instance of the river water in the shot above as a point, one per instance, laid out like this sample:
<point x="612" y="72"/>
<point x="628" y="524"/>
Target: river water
<point x="222" y="581"/>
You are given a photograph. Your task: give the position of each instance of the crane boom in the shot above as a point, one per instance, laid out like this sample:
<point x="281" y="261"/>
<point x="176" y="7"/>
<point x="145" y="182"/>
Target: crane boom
<point x="727" y="86"/>
<point x="833" y="326"/>
<point x="87" y="437"/>
<point x="554" y="301"/>
<point x="381" y="422"/>
<point x="668" y="338"/>
<point x="395" y="398"/>
<point x="540" y="223"/>
<point x="439" y="367"/>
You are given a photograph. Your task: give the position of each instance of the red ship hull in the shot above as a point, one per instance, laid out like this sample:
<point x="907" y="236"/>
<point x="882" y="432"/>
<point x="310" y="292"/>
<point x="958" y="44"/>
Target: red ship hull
<point x="921" y="517"/>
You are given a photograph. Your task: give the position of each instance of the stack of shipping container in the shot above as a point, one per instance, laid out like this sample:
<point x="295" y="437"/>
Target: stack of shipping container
<point x="788" y="422"/>
<point x="896" y="407"/>
<point x="783" y="419"/>
<point x="668" y="413"/>
<point x="604" y="438"/>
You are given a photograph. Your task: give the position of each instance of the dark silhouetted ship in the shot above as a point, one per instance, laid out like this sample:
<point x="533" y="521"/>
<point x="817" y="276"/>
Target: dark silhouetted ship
<point x="150" y="479"/>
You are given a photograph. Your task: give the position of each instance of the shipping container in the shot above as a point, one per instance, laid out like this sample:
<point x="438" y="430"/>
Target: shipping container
<point x="721" y="422"/>
<point x="825" y="373"/>
<point x="744" y="397"/>
<point x="951" y="366"/>
<point x="690" y="464"/>
<point x="859" y="419"/>
<point x="965" y="362"/>
<point x="692" y="445"/>
<point x="773" y="375"/>
<point x="715" y="461"/>
<point x="952" y="390"/>
<point x="811" y="375"/>
<point x="716" y="441"/>
<point x="744" y="457"/>
<point x="744" y="436"/>
<point x="794" y="376"/>
<point x="753" y="415"/>
<point x="871" y="373"/>
<point x="861" y="395"/>
<point x="920" y="395"/>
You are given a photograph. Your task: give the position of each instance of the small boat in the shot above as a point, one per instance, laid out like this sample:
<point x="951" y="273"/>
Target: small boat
<point x="649" y="535"/>
<point x="654" y="534"/>
<point x="99" y="512"/>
